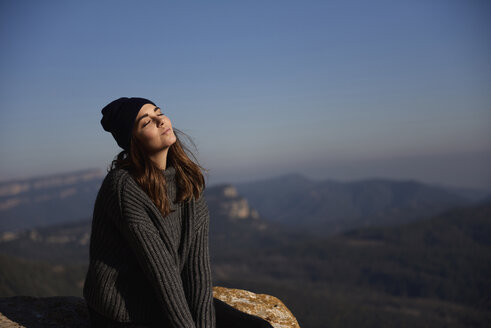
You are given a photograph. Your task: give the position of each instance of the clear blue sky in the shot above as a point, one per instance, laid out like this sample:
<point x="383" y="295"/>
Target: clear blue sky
<point x="329" y="89"/>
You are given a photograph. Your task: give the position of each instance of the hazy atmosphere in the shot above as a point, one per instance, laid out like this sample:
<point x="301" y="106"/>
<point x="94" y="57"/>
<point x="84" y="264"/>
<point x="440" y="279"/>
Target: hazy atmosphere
<point x="329" y="89"/>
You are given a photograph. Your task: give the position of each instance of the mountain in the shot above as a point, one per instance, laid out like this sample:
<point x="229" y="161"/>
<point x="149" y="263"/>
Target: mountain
<point x="46" y="200"/>
<point x="433" y="272"/>
<point x="233" y="223"/>
<point x="59" y="243"/>
<point x="472" y="194"/>
<point x="20" y="276"/>
<point x="238" y="227"/>
<point x="319" y="207"/>
<point x="232" y="220"/>
<point x="329" y="207"/>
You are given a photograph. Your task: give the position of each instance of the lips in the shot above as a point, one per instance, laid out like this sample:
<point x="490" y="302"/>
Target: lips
<point x="168" y="129"/>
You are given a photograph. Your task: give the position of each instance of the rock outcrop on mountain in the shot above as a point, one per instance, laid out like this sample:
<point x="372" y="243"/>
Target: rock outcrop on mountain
<point x="227" y="202"/>
<point x="69" y="311"/>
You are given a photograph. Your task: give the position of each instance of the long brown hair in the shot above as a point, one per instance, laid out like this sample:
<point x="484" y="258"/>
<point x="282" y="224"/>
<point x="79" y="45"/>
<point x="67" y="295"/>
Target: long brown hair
<point x="189" y="179"/>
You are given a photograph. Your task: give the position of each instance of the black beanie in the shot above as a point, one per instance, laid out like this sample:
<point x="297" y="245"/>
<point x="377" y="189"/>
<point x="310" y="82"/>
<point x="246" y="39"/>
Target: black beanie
<point x="118" y="117"/>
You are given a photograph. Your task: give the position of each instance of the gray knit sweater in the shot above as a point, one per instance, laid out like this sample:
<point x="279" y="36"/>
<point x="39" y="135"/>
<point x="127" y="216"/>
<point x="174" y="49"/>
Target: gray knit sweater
<point x="144" y="267"/>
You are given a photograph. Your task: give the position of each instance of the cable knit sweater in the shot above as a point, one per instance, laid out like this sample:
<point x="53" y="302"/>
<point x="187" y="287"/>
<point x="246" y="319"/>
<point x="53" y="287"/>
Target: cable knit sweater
<point x="144" y="267"/>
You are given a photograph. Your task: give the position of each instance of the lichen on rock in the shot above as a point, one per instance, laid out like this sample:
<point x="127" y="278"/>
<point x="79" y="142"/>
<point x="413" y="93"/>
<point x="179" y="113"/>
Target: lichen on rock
<point x="265" y="306"/>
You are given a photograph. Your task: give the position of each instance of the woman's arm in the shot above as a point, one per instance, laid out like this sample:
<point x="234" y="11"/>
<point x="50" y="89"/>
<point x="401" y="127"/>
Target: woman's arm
<point x="196" y="275"/>
<point x="153" y="255"/>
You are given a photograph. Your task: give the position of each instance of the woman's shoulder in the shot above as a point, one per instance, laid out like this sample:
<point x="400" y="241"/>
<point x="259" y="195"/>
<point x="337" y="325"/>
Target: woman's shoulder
<point x="115" y="179"/>
<point x="117" y="172"/>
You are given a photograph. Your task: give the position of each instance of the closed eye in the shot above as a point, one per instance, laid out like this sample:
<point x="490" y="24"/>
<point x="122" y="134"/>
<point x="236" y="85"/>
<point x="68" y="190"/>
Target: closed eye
<point x="146" y="123"/>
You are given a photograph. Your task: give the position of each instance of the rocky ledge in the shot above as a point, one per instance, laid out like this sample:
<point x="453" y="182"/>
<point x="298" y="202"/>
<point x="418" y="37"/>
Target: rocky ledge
<point x="69" y="311"/>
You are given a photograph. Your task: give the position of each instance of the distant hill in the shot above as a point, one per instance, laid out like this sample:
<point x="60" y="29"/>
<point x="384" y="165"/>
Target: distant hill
<point x="233" y="223"/>
<point x="59" y="243"/>
<point x="41" y="201"/>
<point x="19" y="276"/>
<point x="237" y="227"/>
<point x="471" y="194"/>
<point x="321" y="207"/>
<point x="329" y="207"/>
<point x="434" y="272"/>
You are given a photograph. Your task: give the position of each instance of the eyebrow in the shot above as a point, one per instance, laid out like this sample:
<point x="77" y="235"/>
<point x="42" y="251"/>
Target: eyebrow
<point x="145" y="115"/>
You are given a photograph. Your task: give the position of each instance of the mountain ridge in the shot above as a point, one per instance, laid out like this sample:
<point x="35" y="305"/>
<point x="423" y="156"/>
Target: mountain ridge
<point x="326" y="206"/>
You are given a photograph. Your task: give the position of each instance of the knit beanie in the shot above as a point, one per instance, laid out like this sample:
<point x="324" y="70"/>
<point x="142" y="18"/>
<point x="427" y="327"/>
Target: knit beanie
<point x="118" y="117"/>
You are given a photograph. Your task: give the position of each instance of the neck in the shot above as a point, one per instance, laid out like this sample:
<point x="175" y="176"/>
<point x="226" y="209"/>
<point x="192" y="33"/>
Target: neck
<point x="160" y="158"/>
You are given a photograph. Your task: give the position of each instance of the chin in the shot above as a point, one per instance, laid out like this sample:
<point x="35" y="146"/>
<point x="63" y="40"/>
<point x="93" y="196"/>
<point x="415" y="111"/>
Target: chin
<point x="173" y="141"/>
<point x="168" y="144"/>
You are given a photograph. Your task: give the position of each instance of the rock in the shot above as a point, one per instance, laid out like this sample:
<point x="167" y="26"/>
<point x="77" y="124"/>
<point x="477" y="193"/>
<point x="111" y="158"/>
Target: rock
<point x="224" y="200"/>
<point x="27" y="311"/>
<point x="265" y="306"/>
<point x="70" y="311"/>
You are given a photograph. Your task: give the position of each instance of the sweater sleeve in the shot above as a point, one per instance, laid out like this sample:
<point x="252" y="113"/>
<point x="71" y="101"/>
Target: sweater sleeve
<point x="196" y="274"/>
<point x="154" y="257"/>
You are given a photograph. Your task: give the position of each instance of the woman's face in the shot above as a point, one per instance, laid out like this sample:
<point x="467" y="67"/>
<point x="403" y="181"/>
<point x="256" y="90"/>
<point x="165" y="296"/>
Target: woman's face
<point x="153" y="129"/>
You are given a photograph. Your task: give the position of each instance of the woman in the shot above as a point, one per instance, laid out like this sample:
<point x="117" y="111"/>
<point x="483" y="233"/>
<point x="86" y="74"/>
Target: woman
<point x="149" y="255"/>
